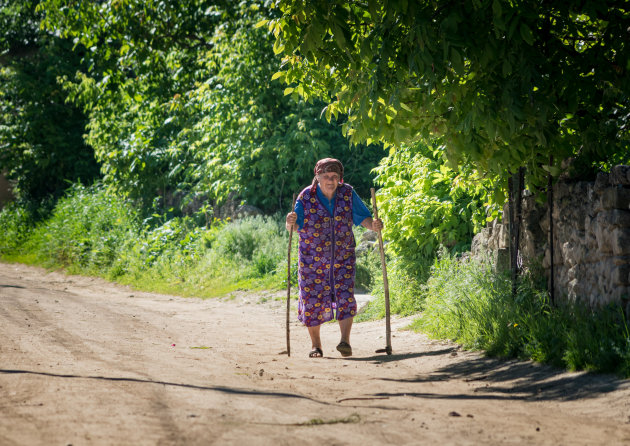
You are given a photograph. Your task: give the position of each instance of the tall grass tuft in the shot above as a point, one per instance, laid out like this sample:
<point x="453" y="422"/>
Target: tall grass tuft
<point x="468" y="302"/>
<point x="406" y="291"/>
<point x="86" y="231"/>
<point x="16" y="223"/>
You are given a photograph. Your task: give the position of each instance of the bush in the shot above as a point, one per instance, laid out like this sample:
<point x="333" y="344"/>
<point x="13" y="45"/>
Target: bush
<point x="425" y="203"/>
<point x="406" y="291"/>
<point x="468" y="302"/>
<point x="93" y="231"/>
<point x="260" y="242"/>
<point x="16" y="223"/>
<point x="87" y="229"/>
<point x="178" y="234"/>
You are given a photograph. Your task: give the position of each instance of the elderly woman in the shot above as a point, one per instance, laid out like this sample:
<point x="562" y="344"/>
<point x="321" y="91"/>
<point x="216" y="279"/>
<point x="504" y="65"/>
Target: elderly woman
<point x="323" y="217"/>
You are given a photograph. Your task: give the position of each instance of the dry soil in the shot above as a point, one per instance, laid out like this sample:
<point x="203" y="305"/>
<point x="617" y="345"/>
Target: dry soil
<point x="87" y="362"/>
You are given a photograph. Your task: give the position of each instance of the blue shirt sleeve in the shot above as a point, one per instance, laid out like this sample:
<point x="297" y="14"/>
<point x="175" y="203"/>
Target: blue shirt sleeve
<point x="359" y="210"/>
<point x="299" y="210"/>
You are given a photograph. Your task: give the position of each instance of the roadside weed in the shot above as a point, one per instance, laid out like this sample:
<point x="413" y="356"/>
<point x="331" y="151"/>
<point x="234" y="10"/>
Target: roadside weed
<point x="468" y="302"/>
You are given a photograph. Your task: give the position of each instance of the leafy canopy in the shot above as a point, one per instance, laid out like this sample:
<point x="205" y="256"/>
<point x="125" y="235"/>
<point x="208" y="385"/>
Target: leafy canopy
<point x="181" y="102"/>
<point x="425" y="204"/>
<point x="41" y="143"/>
<point x="140" y="59"/>
<point x="501" y="84"/>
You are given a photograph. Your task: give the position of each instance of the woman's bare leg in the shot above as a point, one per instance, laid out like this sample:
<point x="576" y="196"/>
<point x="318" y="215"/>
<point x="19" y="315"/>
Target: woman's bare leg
<point x="314" y="334"/>
<point x="345" y="325"/>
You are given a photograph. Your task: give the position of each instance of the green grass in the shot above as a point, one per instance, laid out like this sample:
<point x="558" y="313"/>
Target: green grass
<point x="92" y="231"/>
<point x="469" y="303"/>
<point x="15" y="224"/>
<point x="406" y="292"/>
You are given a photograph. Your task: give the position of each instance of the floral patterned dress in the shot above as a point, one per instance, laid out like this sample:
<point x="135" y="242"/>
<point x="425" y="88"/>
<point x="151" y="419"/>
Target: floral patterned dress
<point x="326" y="258"/>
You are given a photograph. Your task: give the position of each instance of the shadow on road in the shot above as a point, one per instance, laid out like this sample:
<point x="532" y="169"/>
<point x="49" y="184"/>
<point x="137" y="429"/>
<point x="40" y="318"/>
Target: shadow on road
<point x="381" y="358"/>
<point x="501" y="379"/>
<point x="230" y="390"/>
<point x="518" y="380"/>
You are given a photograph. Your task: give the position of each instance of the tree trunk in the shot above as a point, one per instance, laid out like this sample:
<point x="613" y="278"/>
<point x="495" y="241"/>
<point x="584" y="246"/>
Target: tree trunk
<point x="511" y="221"/>
<point x="550" y="208"/>
<point x="518" y="206"/>
<point x="515" y="186"/>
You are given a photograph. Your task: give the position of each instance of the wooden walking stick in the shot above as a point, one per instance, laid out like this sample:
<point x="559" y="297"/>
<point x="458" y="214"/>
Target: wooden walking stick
<point x="388" y="329"/>
<point x="289" y="284"/>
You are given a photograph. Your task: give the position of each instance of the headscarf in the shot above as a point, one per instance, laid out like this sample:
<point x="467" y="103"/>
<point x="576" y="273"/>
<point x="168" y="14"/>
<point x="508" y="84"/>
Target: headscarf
<point x="328" y="165"/>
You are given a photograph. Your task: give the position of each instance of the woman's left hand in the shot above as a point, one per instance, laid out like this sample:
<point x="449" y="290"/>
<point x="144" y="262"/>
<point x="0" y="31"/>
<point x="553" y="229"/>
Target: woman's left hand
<point x="377" y="224"/>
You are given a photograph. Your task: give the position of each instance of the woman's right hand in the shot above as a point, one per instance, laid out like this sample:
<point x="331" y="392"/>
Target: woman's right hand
<point x="291" y="219"/>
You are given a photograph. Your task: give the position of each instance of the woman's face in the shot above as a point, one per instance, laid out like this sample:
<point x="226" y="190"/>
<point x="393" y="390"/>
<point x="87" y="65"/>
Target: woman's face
<point x="328" y="182"/>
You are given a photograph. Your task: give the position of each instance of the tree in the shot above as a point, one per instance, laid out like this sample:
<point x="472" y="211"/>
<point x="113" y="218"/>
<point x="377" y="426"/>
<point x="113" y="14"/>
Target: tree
<point x="41" y="143"/>
<point x="140" y="60"/>
<point x="425" y="204"/>
<point x="501" y="84"/>
<point x="254" y="139"/>
<point x="180" y="100"/>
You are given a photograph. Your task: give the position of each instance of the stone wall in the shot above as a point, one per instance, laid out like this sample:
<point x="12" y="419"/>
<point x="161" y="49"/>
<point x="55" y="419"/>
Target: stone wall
<point x="591" y="238"/>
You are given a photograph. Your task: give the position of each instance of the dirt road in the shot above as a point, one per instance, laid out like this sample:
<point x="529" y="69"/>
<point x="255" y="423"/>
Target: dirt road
<point x="86" y="362"/>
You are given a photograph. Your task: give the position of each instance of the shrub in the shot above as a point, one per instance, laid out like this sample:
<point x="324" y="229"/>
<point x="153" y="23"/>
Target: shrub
<point x="87" y="228"/>
<point x="92" y="230"/>
<point x="425" y="203"/>
<point x="468" y="302"/>
<point x="16" y="223"/>
<point x="406" y="291"/>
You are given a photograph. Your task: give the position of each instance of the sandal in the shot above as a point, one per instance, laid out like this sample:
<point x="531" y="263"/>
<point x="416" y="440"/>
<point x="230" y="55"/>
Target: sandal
<point x="344" y="348"/>
<point x="316" y="353"/>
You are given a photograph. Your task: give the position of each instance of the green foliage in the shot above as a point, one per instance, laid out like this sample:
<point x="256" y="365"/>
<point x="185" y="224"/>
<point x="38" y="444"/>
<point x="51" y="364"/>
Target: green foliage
<point x="177" y="257"/>
<point x="18" y="22"/>
<point x="425" y="204"/>
<point x="141" y="61"/>
<point x="181" y="101"/>
<point x="41" y="143"/>
<point x="598" y="340"/>
<point x="255" y="239"/>
<point x="92" y="230"/>
<point x="179" y="234"/>
<point x="264" y="144"/>
<point x="15" y="225"/>
<point x="406" y="290"/>
<point x="500" y="84"/>
<point x="88" y="228"/>
<point x="468" y="302"/>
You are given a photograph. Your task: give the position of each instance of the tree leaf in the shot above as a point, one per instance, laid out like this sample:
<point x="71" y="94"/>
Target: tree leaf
<point x="261" y="23"/>
<point x="456" y="60"/>
<point x="526" y="34"/>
